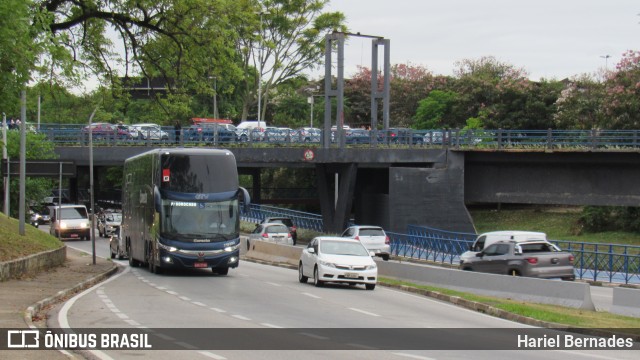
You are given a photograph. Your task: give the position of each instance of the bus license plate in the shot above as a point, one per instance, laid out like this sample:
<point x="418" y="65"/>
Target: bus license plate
<point x="351" y="275"/>
<point x="200" y="265"/>
<point x="74" y="235"/>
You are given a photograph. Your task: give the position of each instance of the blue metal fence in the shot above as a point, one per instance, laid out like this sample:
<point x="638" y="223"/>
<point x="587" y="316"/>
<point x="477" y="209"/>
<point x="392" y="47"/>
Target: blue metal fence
<point x="613" y="263"/>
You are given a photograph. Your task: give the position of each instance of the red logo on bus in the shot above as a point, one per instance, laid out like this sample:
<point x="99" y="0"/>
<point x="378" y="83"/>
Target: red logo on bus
<point x="166" y="175"/>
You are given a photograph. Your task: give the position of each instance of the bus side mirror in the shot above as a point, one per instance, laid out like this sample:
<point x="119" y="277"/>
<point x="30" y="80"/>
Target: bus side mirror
<point x="157" y="199"/>
<point x="247" y="199"/>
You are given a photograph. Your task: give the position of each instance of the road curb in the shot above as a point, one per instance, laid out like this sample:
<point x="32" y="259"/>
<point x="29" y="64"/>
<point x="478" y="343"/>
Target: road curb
<point x="33" y="310"/>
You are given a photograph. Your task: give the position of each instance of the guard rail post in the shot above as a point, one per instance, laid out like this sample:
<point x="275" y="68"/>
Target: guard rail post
<point x="549" y="139"/>
<point x="499" y="139"/>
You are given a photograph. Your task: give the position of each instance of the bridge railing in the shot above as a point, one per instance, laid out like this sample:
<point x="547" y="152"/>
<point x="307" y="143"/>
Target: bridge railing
<point x="75" y="134"/>
<point x="593" y="261"/>
<point x="302" y="220"/>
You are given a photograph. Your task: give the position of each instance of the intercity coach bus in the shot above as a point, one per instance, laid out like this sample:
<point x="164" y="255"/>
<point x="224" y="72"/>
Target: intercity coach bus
<point x="181" y="209"/>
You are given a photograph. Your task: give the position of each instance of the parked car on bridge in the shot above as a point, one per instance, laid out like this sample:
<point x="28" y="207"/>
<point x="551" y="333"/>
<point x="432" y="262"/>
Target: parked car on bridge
<point x="206" y="132"/>
<point x="338" y="260"/>
<point x="358" y="136"/>
<point x="538" y="259"/>
<point x="105" y="131"/>
<point x="372" y="237"/>
<point x="151" y="131"/>
<point x="401" y="136"/>
<point x="309" y="134"/>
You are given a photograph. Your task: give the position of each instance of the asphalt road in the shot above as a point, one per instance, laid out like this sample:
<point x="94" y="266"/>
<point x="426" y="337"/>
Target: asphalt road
<point x="262" y="296"/>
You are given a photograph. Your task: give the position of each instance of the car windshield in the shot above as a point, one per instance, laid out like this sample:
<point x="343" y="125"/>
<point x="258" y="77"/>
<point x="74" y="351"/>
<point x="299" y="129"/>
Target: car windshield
<point x="73" y="213"/>
<point x="343" y="248"/>
<point x="208" y="220"/>
<point x="115" y="217"/>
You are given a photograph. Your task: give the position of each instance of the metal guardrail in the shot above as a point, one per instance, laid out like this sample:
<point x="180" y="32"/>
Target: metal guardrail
<point x="302" y="220"/>
<point x="500" y="139"/>
<point x="613" y="263"/>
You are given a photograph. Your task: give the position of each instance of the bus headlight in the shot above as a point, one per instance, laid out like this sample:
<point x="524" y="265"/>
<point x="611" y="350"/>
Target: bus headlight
<point x="83" y="225"/>
<point x="63" y="225"/>
<point x="232" y="248"/>
<point x="167" y="248"/>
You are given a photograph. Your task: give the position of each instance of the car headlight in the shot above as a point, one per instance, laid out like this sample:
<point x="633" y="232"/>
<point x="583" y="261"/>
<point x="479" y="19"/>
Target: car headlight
<point x="83" y="225"/>
<point x="326" y="263"/>
<point x="63" y="225"/>
<point x="371" y="267"/>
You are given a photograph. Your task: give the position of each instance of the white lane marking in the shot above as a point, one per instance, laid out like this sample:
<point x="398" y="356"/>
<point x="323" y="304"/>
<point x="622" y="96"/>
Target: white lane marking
<point x="171" y="292"/>
<point x="363" y="347"/>
<point x="314" y="336"/>
<point x="186" y="345"/>
<point x="272" y="283"/>
<point x="63" y="320"/>
<point x="122" y="316"/>
<point x="198" y="303"/>
<point x="364" y="312"/>
<point x="241" y="317"/>
<point x="413" y="356"/>
<point x="132" y="322"/>
<point x="161" y="288"/>
<point x="272" y="326"/>
<point x="218" y="310"/>
<point x="459" y="308"/>
<point x="311" y="295"/>
<point x="184" y="298"/>
<point x="212" y="355"/>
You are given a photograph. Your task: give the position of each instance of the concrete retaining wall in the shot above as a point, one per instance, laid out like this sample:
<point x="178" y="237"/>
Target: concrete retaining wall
<point x="266" y="251"/>
<point x="32" y="264"/>
<point x="626" y="301"/>
<point x="570" y="294"/>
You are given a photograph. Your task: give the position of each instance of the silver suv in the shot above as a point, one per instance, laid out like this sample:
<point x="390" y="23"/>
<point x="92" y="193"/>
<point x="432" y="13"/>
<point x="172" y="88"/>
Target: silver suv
<point x="372" y="237"/>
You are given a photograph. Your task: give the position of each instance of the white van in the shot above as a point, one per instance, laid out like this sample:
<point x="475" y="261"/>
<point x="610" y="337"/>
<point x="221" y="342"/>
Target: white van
<point x="70" y="222"/>
<point x="486" y="239"/>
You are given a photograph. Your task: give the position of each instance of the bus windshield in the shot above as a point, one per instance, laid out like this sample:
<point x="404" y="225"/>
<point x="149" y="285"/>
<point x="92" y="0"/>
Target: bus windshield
<point x="193" y="221"/>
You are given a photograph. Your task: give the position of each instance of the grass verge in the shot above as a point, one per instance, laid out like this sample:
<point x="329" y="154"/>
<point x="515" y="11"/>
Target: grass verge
<point x="14" y="246"/>
<point x="557" y="223"/>
<point x="569" y="317"/>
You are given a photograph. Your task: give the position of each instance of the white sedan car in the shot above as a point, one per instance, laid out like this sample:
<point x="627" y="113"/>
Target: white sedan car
<point x="272" y="232"/>
<point x="340" y="260"/>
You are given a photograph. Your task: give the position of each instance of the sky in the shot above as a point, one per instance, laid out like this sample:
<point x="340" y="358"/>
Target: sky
<point x="551" y="39"/>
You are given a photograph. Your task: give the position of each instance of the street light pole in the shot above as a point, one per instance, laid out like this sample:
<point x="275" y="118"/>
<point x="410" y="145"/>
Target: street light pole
<point x="215" y="96"/>
<point x="606" y="61"/>
<point x="262" y="12"/>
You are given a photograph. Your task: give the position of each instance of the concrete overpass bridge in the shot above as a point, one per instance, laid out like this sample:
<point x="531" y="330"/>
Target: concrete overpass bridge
<point x="394" y="187"/>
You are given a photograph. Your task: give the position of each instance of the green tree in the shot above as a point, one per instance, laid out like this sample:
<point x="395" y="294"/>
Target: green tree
<point x="18" y="53"/>
<point x="289" y="40"/>
<point x="36" y="188"/>
<point x="621" y="100"/>
<point x="579" y="105"/>
<point x="433" y="112"/>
